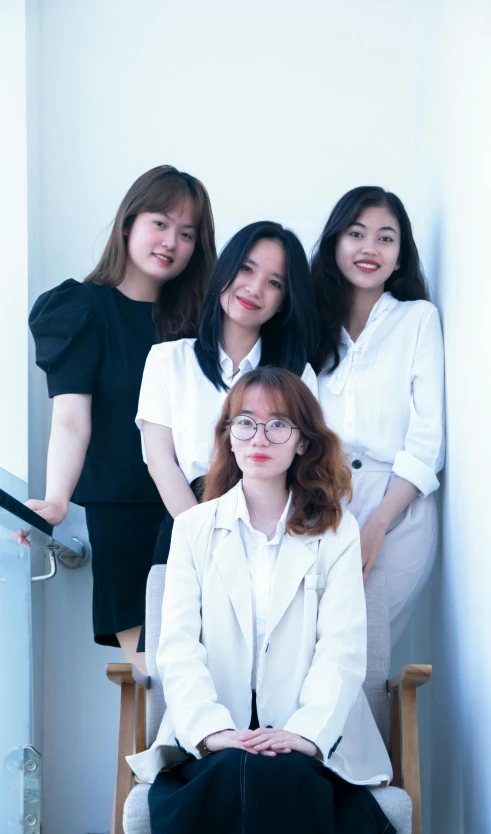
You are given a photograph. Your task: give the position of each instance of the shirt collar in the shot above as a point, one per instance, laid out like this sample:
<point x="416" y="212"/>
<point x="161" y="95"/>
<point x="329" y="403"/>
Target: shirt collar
<point x="249" y="363"/>
<point x="384" y="305"/>
<point x="242" y="514"/>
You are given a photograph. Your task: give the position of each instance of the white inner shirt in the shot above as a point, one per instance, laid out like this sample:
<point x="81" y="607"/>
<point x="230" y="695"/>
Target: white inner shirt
<point x="176" y="393"/>
<point x="262" y="557"/>
<point x="385" y="398"/>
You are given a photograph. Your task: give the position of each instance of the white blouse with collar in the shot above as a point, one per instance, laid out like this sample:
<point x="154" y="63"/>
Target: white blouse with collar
<point x="176" y="393"/>
<point x="385" y="399"/>
<point x="262" y="557"/>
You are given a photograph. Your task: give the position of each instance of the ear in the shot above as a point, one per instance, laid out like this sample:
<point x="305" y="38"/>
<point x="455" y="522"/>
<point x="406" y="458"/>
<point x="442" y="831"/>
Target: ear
<point x="397" y="266"/>
<point x="302" y="447"/>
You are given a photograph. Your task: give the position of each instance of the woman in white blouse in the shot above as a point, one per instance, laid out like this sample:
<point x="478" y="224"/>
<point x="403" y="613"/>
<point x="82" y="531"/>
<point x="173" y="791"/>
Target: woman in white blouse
<point x="262" y="651"/>
<point x="259" y="309"/>
<point x="381" y="385"/>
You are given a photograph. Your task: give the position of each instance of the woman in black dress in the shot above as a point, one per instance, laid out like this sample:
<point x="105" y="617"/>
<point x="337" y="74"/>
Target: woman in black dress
<point x="92" y="339"/>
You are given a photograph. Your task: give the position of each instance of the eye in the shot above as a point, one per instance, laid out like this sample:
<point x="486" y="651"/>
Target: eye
<point x="244" y="421"/>
<point x="356" y="234"/>
<point x="245" y="268"/>
<point x="160" y="224"/>
<point x="387" y="239"/>
<point x="275" y="284"/>
<point x="278" y="424"/>
<point x="187" y="236"/>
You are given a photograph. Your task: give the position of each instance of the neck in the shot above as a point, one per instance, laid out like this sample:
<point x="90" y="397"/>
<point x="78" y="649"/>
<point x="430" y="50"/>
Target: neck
<point x="363" y="303"/>
<point x="237" y="341"/>
<point x="137" y="286"/>
<point x="266" y="500"/>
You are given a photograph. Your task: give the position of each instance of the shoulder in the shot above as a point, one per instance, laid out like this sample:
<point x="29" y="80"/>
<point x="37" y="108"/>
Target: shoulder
<point x="194" y="521"/>
<point x="419" y="310"/>
<point x="178" y="354"/>
<point x="334" y="542"/>
<point x="69" y="297"/>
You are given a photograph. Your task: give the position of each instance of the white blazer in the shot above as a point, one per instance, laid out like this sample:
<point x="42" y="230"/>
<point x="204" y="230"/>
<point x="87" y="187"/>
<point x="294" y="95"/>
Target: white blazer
<point x="313" y="661"/>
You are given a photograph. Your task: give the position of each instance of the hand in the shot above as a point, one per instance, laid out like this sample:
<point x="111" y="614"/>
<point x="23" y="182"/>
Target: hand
<point x="227" y="738"/>
<point x="371" y="538"/>
<point x="273" y="740"/>
<point x="52" y="512"/>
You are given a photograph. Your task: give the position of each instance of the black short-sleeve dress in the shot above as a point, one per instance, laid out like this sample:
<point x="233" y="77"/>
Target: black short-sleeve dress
<point x="92" y="339"/>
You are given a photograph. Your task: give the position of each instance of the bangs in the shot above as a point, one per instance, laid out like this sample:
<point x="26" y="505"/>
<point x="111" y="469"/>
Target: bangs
<point x="166" y="194"/>
<point x="275" y="398"/>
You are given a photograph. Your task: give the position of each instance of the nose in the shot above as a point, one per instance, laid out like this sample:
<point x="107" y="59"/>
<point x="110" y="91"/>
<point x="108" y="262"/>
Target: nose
<point x="369" y="246"/>
<point x="254" y="286"/>
<point x="260" y="438"/>
<point x="169" y="238"/>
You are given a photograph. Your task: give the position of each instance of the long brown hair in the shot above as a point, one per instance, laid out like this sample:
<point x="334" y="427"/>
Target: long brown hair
<point x="178" y="306"/>
<point x="319" y="479"/>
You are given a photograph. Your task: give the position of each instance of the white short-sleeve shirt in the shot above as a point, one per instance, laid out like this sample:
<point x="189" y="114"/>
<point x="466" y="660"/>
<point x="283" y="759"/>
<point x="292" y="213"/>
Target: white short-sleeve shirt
<point x="386" y="399"/>
<point x="176" y="393"/>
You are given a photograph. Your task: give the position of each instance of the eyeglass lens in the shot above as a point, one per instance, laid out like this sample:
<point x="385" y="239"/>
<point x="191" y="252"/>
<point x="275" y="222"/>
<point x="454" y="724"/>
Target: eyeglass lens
<point x="276" y="430"/>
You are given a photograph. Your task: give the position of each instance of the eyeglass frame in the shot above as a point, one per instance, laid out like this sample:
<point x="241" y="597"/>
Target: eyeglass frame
<point x="275" y="442"/>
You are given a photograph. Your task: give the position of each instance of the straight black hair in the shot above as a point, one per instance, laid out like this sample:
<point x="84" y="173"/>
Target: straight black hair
<point x="290" y="338"/>
<point x="334" y="293"/>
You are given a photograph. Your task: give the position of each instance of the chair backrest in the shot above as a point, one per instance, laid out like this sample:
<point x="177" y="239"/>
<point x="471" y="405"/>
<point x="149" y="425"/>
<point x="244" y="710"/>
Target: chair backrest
<point x="378" y="650"/>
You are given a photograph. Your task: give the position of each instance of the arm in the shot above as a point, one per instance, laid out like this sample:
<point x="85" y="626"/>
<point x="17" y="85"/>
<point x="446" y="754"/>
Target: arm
<point x="338" y="668"/>
<point x="69" y="439"/>
<point x="416" y="465"/>
<point x="190" y="693"/>
<point x="173" y="487"/>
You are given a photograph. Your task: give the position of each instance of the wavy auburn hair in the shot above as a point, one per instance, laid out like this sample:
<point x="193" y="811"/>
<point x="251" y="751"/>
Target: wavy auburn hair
<point x="319" y="479"/>
<point x="178" y="306"/>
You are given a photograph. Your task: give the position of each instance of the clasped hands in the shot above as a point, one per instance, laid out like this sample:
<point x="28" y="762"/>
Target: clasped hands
<point x="266" y="741"/>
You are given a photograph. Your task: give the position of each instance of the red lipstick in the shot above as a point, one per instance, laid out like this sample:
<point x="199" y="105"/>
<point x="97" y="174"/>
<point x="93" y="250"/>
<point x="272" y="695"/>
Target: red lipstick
<point x="247" y="305"/>
<point x="259" y="458"/>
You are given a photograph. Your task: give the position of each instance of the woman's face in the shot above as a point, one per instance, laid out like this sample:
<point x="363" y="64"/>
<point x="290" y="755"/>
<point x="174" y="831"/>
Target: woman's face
<point x="160" y="246"/>
<point x="259" y="288"/>
<point x="259" y="458"/>
<point x="367" y="252"/>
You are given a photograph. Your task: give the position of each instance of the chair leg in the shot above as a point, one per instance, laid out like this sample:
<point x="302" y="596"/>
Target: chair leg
<point x="124" y="777"/>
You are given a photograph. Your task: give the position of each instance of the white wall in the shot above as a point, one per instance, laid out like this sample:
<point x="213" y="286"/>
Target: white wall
<point x="279" y="109"/>
<point x="461" y="610"/>
<point x="13" y="226"/>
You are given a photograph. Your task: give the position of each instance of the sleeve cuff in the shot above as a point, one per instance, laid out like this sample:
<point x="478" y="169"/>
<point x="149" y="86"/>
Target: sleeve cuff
<point x="412" y="469"/>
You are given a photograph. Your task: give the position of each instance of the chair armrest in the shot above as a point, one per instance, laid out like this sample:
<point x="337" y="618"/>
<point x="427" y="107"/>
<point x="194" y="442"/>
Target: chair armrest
<point x="126" y="673"/>
<point x="404" y="733"/>
<point x="131" y="727"/>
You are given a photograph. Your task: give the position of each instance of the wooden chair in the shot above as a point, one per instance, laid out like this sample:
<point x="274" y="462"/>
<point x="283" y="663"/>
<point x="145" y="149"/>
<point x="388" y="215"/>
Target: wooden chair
<point x="393" y="703"/>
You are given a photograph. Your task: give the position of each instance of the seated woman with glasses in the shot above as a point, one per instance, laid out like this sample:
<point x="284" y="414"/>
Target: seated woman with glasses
<point x="259" y="309"/>
<point x="262" y="651"/>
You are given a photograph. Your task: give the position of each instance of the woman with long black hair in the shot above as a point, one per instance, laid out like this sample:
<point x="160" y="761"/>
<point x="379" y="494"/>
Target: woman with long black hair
<point x="92" y="340"/>
<point x="380" y="367"/>
<point x="259" y="308"/>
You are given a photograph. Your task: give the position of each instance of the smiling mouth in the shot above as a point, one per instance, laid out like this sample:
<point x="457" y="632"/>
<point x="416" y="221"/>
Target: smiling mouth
<point x="164" y="259"/>
<point x="367" y="266"/>
<point x="247" y="305"/>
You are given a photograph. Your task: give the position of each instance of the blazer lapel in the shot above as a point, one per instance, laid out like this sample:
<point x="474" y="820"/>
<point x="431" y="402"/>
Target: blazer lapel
<point x="231" y="560"/>
<point x="294" y="560"/>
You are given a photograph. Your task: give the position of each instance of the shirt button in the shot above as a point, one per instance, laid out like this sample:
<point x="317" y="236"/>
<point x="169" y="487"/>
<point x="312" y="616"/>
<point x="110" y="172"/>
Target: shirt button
<point x="349" y="424"/>
<point x="356" y="464"/>
<point x="350" y="391"/>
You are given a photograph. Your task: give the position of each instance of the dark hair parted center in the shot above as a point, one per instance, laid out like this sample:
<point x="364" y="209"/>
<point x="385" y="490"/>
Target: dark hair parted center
<point x="319" y="479"/>
<point x="290" y="338"/>
<point x="334" y="293"/>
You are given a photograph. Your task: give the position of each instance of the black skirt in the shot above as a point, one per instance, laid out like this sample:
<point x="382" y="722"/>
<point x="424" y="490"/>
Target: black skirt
<point x="122" y="538"/>
<point x="233" y="792"/>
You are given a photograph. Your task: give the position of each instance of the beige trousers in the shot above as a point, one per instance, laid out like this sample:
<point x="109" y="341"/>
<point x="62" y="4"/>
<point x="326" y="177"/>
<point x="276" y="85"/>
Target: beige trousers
<point x="408" y="552"/>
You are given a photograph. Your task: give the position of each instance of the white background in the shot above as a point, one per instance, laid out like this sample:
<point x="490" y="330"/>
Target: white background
<point x="279" y="108"/>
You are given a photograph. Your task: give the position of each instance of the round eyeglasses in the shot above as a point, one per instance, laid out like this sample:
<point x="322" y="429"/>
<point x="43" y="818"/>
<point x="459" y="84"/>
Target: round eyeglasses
<point x="277" y="430"/>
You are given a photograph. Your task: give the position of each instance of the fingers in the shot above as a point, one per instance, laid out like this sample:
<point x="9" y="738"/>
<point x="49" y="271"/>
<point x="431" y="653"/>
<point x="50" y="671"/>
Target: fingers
<point x="21" y="537"/>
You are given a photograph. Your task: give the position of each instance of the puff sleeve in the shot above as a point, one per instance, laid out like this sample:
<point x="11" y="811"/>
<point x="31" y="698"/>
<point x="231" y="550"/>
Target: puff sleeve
<point x="68" y="347"/>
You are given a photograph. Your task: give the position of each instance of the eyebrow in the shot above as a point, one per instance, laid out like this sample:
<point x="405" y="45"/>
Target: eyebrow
<point x="271" y="414"/>
<point x="185" y="225"/>
<point x="381" y="229"/>
<point x="254" y="263"/>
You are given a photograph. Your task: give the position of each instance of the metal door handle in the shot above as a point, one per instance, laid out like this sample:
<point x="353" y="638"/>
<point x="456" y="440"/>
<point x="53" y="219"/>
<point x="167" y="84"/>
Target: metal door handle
<point x="51" y="548"/>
